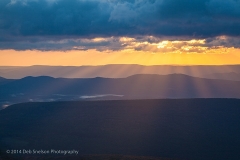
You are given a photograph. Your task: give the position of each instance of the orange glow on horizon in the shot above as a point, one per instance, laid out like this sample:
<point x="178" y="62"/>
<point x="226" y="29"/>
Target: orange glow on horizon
<point x="127" y="56"/>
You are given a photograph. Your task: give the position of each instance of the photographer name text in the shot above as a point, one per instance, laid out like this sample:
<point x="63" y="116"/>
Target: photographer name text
<point x="41" y="151"/>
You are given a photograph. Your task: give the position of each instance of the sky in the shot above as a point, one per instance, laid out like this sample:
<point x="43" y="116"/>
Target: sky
<point x="98" y="32"/>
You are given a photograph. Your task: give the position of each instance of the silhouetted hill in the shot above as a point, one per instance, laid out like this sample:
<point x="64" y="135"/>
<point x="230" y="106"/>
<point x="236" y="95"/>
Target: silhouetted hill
<point x="227" y="76"/>
<point x="133" y="87"/>
<point x="117" y="71"/>
<point x="4" y="80"/>
<point x="184" y="128"/>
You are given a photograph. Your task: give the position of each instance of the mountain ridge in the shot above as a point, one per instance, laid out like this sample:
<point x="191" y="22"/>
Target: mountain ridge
<point x="141" y="86"/>
<point x="117" y="71"/>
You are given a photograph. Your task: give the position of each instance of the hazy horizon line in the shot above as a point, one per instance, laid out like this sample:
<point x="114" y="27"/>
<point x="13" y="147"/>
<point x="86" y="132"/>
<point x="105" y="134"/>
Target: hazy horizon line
<point x="122" y="64"/>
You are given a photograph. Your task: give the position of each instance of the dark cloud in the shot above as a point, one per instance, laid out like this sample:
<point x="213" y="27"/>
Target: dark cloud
<point x="223" y="41"/>
<point x="32" y="23"/>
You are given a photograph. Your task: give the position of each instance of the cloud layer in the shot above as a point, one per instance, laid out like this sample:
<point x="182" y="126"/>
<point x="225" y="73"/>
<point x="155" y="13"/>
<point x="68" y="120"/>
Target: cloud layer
<point x="75" y="24"/>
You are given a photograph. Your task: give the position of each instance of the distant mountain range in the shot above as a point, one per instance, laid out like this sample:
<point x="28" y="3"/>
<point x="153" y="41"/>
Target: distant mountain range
<point x="116" y="81"/>
<point x="227" y="72"/>
<point x="141" y="86"/>
<point x="227" y="76"/>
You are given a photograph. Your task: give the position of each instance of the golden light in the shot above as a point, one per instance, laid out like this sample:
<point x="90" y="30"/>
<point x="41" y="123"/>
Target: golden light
<point x="147" y="50"/>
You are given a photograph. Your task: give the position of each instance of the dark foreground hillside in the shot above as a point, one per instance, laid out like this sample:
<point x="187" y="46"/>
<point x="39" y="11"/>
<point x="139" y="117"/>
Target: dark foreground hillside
<point x="129" y="129"/>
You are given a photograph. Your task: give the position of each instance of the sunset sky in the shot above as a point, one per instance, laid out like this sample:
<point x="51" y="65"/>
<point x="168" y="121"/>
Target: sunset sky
<point x="98" y="32"/>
